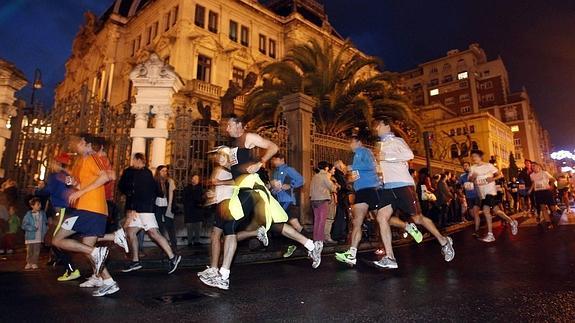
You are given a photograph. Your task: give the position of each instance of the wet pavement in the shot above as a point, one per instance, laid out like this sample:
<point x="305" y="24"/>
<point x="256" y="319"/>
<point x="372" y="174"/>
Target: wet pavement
<point x="528" y="277"/>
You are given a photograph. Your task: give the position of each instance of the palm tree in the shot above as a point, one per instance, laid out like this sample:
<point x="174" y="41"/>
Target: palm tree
<point x="346" y="84"/>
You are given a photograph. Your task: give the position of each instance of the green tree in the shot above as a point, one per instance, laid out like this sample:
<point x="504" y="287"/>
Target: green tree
<point x="346" y="84"/>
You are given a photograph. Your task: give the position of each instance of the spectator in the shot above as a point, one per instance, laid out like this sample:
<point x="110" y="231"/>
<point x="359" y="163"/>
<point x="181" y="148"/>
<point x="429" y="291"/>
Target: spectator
<point x="425" y="191"/>
<point x="332" y="207"/>
<point x="9" y="238"/>
<point x="193" y="209"/>
<point x="444" y="197"/>
<point x="339" y="228"/>
<point x="321" y="189"/>
<point x="35" y="227"/>
<point x="164" y="198"/>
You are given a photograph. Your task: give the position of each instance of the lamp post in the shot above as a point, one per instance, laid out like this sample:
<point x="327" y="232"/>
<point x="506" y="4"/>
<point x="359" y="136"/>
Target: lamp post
<point x="35" y="86"/>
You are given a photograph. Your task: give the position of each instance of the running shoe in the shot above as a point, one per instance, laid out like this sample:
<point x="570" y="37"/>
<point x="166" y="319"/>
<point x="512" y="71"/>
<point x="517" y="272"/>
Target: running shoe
<point x="106" y="289"/>
<point x="488" y="238"/>
<point x="290" y="250"/>
<point x="120" y="239"/>
<point x="209" y="272"/>
<point x="133" y="266"/>
<point x="91" y="282"/>
<point x="315" y="254"/>
<point x="216" y="281"/>
<point x="413" y="231"/>
<point x="69" y="275"/>
<point x="34" y="266"/>
<point x="99" y="255"/>
<point x="174" y="262"/>
<point x="346" y="257"/>
<point x="262" y="235"/>
<point x="514" y="227"/>
<point x="27" y="267"/>
<point x="386" y="262"/>
<point x="447" y="250"/>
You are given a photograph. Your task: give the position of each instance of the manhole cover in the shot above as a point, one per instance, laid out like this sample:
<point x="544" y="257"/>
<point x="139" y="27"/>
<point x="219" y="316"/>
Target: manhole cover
<point x="189" y="296"/>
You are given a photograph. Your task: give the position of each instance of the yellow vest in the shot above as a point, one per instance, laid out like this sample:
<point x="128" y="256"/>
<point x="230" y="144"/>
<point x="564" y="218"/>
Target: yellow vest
<point x="274" y="211"/>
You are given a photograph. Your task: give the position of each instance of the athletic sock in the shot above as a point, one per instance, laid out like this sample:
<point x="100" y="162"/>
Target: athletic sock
<point x="225" y="273"/>
<point x="108" y="281"/>
<point x="353" y="251"/>
<point x="309" y="245"/>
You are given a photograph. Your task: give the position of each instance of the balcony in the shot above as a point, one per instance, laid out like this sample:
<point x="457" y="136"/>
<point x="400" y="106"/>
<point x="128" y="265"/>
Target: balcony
<point x="240" y="100"/>
<point x="203" y="89"/>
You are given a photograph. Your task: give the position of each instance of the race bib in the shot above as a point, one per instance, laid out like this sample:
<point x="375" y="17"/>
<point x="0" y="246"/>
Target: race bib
<point x="468" y="186"/>
<point x="355" y="174"/>
<point x="514" y="190"/>
<point x="540" y="186"/>
<point x="522" y="186"/>
<point x="234" y="156"/>
<point x="481" y="181"/>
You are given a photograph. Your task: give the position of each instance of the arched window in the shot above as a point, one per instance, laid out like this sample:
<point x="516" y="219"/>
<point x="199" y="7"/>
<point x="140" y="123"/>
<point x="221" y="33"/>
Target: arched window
<point x="464" y="150"/>
<point x="454" y="151"/>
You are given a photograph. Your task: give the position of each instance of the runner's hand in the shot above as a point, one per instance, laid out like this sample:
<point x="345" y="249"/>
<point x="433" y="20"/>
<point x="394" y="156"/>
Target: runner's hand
<point x="75" y="196"/>
<point x="254" y="168"/>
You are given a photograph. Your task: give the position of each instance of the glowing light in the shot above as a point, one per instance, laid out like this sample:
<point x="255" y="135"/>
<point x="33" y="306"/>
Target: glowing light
<point x="462" y="76"/>
<point x="434" y="92"/>
<point x="566" y="169"/>
<point x="514" y="128"/>
<point x="562" y="154"/>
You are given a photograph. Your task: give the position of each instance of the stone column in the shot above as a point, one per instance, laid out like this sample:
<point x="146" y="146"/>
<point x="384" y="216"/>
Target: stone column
<point x="297" y="110"/>
<point x="11" y="81"/>
<point x="155" y="83"/>
<point x="138" y="133"/>
<point x="162" y="114"/>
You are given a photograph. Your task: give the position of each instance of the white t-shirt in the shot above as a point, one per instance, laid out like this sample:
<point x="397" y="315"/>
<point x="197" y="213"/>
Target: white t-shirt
<point x="223" y="192"/>
<point x="482" y="173"/>
<point x="541" y="180"/>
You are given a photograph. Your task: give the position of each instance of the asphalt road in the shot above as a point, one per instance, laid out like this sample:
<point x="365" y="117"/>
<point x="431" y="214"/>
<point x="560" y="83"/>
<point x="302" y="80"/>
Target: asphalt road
<point x="528" y="277"/>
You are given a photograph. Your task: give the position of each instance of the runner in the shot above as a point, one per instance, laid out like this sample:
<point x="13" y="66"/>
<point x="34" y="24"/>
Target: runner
<point x="138" y="182"/>
<point x="473" y="200"/>
<point x="368" y="198"/>
<point x="252" y="201"/>
<point x="484" y="176"/>
<point x="563" y="191"/>
<point x="541" y="189"/>
<point x="284" y="180"/>
<point x="88" y="219"/>
<point x="398" y="186"/>
<point x="223" y="190"/>
<point x="525" y="177"/>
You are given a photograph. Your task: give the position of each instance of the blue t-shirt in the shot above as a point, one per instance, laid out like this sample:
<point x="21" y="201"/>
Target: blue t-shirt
<point x="364" y="166"/>
<point x="468" y="186"/>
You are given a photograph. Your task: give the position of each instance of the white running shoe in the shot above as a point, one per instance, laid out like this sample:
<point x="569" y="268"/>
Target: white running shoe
<point x="208" y="272"/>
<point x="514" y="227"/>
<point x="447" y="250"/>
<point x="92" y="282"/>
<point x="106" y="289"/>
<point x="120" y="239"/>
<point x="386" y="262"/>
<point x="99" y="255"/>
<point x="263" y="236"/>
<point x="488" y="238"/>
<point x="315" y="254"/>
<point x="216" y="281"/>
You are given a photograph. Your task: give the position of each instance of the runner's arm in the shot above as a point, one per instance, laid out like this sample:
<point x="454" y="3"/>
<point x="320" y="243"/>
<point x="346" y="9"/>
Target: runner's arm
<point x="254" y="140"/>
<point x="399" y="151"/>
<point x="101" y="180"/>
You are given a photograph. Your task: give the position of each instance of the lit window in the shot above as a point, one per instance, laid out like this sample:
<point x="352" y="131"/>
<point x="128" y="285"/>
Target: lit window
<point x="462" y="75"/>
<point x="514" y="128"/>
<point x="434" y="92"/>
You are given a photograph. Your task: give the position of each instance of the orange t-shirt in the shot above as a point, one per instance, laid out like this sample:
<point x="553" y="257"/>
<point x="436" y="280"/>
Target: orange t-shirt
<point x="86" y="170"/>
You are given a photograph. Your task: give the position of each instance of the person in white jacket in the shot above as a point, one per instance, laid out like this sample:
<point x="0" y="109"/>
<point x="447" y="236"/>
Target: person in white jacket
<point x="393" y="155"/>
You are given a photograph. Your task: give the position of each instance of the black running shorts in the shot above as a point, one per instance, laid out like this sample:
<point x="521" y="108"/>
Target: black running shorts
<point x="370" y="196"/>
<point x="544" y="197"/>
<point x="402" y="198"/>
<point x="490" y="200"/>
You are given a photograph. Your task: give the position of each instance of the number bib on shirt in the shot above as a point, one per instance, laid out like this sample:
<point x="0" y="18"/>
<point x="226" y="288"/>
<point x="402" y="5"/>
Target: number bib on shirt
<point x="468" y="186"/>
<point x="234" y="156"/>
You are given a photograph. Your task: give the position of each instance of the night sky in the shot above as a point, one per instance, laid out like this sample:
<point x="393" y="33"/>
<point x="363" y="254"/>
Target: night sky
<point x="536" y="40"/>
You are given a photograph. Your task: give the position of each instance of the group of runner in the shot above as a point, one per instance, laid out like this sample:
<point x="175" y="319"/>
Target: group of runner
<point x="246" y="208"/>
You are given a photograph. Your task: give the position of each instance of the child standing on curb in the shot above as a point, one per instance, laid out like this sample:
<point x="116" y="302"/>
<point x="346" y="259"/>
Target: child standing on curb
<point x="9" y="239"/>
<point x="34" y="225"/>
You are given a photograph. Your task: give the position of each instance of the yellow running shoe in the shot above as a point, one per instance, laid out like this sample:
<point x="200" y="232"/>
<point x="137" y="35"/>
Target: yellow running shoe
<point x="69" y="276"/>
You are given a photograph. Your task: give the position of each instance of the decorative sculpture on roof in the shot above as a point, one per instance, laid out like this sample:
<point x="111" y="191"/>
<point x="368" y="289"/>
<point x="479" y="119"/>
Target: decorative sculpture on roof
<point x="234" y="90"/>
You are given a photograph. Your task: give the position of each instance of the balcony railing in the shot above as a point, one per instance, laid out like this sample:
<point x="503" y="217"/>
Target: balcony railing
<point x="204" y="88"/>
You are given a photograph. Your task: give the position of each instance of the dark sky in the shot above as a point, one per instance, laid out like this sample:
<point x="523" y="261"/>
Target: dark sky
<point x="536" y="40"/>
